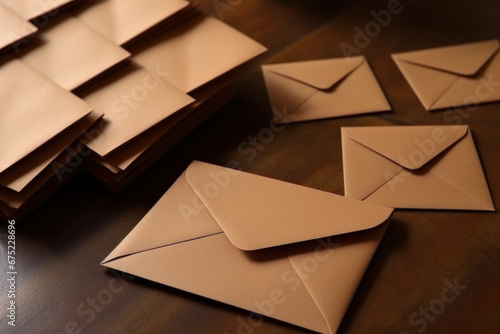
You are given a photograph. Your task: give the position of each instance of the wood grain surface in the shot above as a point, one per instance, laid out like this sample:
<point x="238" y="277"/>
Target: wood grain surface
<point x="62" y="289"/>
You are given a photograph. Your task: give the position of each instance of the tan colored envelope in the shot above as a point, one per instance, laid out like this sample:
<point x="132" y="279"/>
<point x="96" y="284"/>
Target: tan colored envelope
<point x="121" y="21"/>
<point x="13" y="27"/>
<point x="34" y="110"/>
<point x="70" y="53"/>
<point x="324" y="88"/>
<point x="17" y="177"/>
<point x="31" y="9"/>
<point x="452" y="76"/>
<point x="248" y="241"/>
<point x="196" y="52"/>
<point x="207" y="101"/>
<point x="132" y="100"/>
<point x="419" y="167"/>
<point x="33" y="191"/>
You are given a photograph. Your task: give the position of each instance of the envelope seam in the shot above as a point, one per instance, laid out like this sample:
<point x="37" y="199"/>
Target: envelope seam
<point x="313" y="86"/>
<point x="304" y="102"/>
<point x="378" y="153"/>
<point x="413" y="168"/>
<point x="444" y="92"/>
<point x="462" y="191"/>
<point x="383" y="184"/>
<point x="158" y="247"/>
<point x="412" y="85"/>
<point x="446" y="71"/>
<point x="310" y="294"/>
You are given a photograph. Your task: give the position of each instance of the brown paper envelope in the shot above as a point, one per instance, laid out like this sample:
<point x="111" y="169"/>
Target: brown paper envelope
<point x="453" y="76"/>
<point x="34" y="110"/>
<point x="324" y="88"/>
<point x="199" y="235"/>
<point x="121" y="21"/>
<point x="132" y="100"/>
<point x="207" y="100"/>
<point x="13" y="27"/>
<point x="62" y="168"/>
<point x="196" y="52"/>
<point x="70" y="53"/>
<point x="31" y="9"/>
<point x="419" y="167"/>
<point x="22" y="173"/>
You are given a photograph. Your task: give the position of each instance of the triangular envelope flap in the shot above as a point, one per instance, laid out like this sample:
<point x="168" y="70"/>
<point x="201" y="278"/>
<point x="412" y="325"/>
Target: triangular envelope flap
<point x="409" y="146"/>
<point x="321" y="74"/>
<point x="176" y="217"/>
<point x="257" y="212"/>
<point x="463" y="59"/>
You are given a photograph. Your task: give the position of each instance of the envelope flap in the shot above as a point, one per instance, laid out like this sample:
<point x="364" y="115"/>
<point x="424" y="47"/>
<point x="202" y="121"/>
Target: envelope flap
<point x="175" y="218"/>
<point x="463" y="59"/>
<point x="321" y="74"/>
<point x="409" y="146"/>
<point x="256" y="212"/>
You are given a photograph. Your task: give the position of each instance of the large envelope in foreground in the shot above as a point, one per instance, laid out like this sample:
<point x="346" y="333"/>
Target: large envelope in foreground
<point x="452" y="76"/>
<point x="420" y="167"/>
<point x="249" y="241"/>
<point x="324" y="88"/>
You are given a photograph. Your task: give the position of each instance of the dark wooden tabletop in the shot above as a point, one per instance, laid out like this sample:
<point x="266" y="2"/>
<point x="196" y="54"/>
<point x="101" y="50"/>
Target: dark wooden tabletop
<point x="62" y="289"/>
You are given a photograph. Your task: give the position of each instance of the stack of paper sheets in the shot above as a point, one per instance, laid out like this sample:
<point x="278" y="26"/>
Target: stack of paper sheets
<point x="109" y="85"/>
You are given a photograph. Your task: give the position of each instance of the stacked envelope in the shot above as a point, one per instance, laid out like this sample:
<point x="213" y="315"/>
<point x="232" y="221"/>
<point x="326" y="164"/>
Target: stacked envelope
<point x="43" y="123"/>
<point x="37" y="11"/>
<point x="13" y="27"/>
<point x="175" y="80"/>
<point x="70" y="80"/>
<point x="40" y="124"/>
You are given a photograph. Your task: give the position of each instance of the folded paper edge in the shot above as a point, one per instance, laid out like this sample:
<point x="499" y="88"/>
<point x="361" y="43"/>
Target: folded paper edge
<point x="386" y="216"/>
<point x="463" y="132"/>
<point x="358" y="61"/>
<point x="458" y="71"/>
